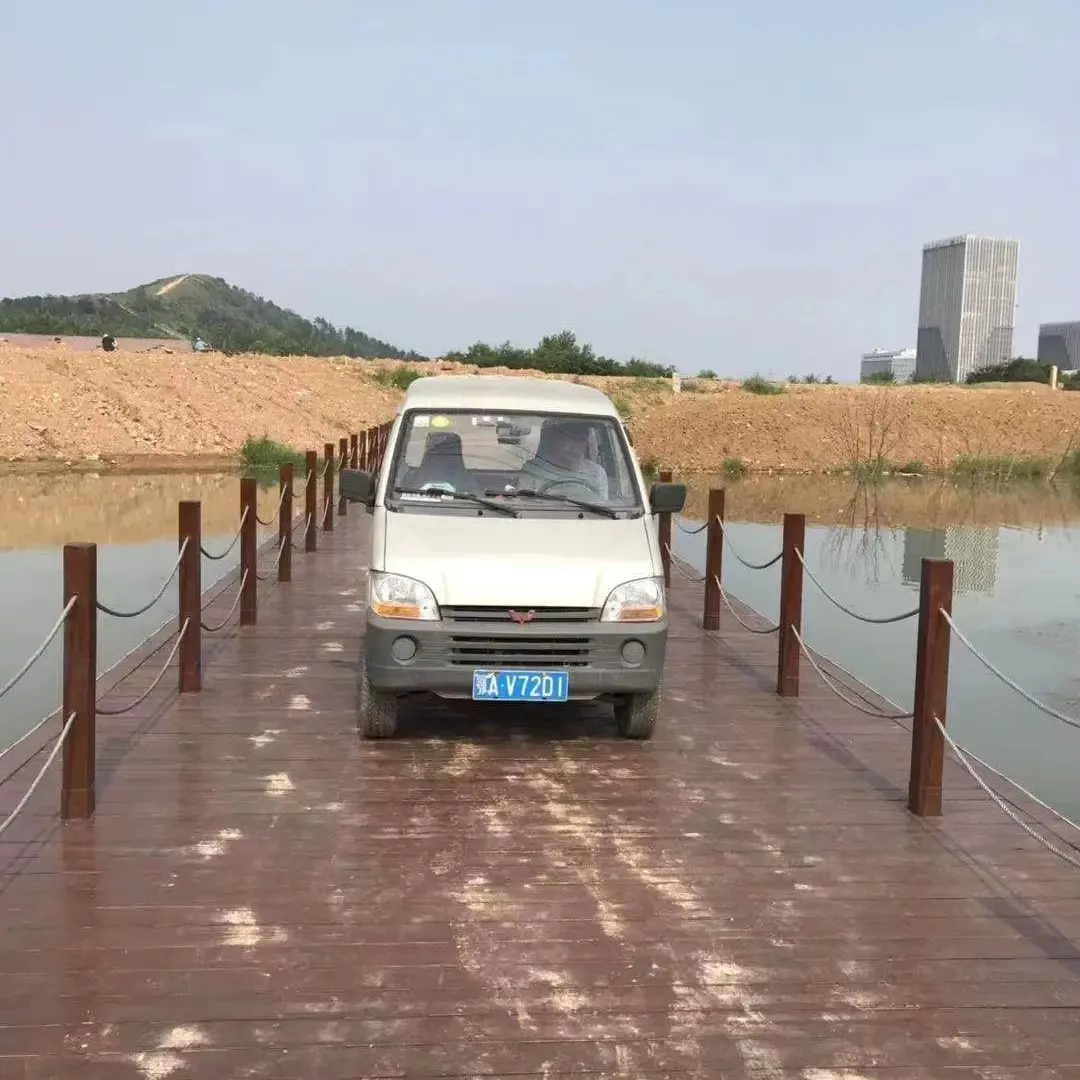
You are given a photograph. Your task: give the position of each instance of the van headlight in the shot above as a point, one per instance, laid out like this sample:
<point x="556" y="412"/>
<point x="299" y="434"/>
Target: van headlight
<point x="393" y="596"/>
<point x="635" y="601"/>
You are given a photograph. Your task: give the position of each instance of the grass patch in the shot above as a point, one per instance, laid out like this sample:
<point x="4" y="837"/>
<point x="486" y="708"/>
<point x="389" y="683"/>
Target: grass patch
<point x="756" y="384"/>
<point x="734" y="467"/>
<point x="622" y="405"/>
<point x="266" y="453"/>
<point x="913" y="468"/>
<point x="1002" y="467"/>
<point x="400" y="378"/>
<point x="648" y="382"/>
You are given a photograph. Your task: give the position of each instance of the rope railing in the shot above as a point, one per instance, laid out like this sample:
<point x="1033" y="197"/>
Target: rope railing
<point x="738" y="558"/>
<point x="965" y="758"/>
<point x="277" y="510"/>
<point x="931" y="743"/>
<point x="834" y="686"/>
<point x="235" y="540"/>
<point x="994" y="670"/>
<point x="37" y="654"/>
<point x="102" y="711"/>
<point x="872" y="619"/>
<point x="277" y="560"/>
<point x="306" y="522"/>
<point x="763" y="630"/>
<point x="698" y="529"/>
<point x="82" y="702"/>
<point x="105" y="610"/>
<point x="61" y="741"/>
<point x="213" y="629"/>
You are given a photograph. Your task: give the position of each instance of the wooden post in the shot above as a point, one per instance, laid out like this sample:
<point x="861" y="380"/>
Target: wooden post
<point x="249" y="552"/>
<point x="714" y="560"/>
<point x="343" y="457"/>
<point x="363" y="446"/>
<point x="285" y="514"/>
<point x="328" y="487"/>
<point x="77" y="795"/>
<point x="354" y="451"/>
<point x="665" y="533"/>
<point x="931" y="688"/>
<point x="791" y="591"/>
<point x="191" y="597"/>
<point x="311" y="482"/>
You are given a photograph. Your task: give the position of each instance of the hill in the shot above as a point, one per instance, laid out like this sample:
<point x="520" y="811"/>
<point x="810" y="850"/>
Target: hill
<point x="187" y="306"/>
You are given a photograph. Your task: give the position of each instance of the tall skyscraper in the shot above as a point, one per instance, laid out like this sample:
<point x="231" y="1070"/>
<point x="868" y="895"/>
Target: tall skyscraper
<point x="967" y="306"/>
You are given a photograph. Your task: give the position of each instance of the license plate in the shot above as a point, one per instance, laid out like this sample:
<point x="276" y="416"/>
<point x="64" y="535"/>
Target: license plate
<point x="520" y="685"/>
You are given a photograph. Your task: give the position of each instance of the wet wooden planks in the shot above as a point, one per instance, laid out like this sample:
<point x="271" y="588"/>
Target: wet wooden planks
<point x="520" y="893"/>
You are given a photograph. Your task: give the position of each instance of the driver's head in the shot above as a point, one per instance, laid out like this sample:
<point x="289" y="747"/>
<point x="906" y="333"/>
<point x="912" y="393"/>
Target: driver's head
<point x="567" y="443"/>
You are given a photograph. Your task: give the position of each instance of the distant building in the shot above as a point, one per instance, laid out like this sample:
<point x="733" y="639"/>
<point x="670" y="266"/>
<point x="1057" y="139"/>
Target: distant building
<point x="900" y="363"/>
<point x="967" y="306"/>
<point x="1059" y="343"/>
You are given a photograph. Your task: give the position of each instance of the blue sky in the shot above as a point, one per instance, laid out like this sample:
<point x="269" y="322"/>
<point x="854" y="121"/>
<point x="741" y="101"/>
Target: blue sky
<point x="736" y="186"/>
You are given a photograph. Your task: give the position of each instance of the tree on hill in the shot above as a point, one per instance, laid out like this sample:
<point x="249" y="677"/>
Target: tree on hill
<point x="227" y="318"/>
<point x="557" y="354"/>
<point x="1020" y="369"/>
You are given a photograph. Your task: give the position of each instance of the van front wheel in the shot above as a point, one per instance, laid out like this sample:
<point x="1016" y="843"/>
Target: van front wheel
<point x="636" y="715"/>
<point x="378" y="710"/>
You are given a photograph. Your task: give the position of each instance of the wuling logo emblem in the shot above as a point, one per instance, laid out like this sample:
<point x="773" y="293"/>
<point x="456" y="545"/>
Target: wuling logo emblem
<point x="522" y="617"/>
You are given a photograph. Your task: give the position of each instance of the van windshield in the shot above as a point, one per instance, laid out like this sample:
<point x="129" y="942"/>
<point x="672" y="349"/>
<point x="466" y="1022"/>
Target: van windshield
<point x="535" y="462"/>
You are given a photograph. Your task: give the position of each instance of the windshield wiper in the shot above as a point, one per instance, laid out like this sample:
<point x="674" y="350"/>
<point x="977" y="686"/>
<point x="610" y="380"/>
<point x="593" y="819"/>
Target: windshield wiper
<point x="502" y="508"/>
<point x="595" y="508"/>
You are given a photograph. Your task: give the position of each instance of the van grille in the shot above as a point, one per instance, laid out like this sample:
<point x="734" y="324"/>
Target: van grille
<point x="519" y="651"/>
<point x="502" y="614"/>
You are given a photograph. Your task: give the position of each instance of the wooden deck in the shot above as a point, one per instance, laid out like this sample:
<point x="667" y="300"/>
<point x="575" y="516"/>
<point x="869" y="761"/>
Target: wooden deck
<point x="521" y="893"/>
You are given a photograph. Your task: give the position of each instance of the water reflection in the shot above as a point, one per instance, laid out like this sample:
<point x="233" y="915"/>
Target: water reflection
<point x="1017" y="597"/>
<point x="973" y="551"/>
<point x="134" y="521"/>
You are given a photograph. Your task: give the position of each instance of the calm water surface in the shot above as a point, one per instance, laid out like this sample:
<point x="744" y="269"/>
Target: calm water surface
<point x="133" y="520"/>
<point x="1017" y="599"/>
<point x="1017" y="556"/>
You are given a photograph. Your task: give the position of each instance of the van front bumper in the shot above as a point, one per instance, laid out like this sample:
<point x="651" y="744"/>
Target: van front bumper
<point x="440" y="657"/>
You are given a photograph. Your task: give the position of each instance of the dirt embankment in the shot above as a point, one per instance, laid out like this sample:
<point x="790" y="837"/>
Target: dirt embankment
<point x="60" y="406"/>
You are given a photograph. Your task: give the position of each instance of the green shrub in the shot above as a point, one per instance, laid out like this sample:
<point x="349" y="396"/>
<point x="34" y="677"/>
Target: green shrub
<point x="706" y="373"/>
<point x="401" y="378"/>
<point x="734" y="467"/>
<point x="1001" y="467"/>
<point x="758" y="385"/>
<point x="265" y="453"/>
<point x="913" y="468"/>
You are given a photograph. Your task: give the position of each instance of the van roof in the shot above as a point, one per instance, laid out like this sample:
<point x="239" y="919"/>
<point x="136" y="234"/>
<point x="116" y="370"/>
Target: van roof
<point x="497" y="393"/>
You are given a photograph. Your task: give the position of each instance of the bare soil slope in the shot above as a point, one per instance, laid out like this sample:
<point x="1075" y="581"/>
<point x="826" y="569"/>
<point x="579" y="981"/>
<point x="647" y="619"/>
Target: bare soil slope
<point x="58" y="405"/>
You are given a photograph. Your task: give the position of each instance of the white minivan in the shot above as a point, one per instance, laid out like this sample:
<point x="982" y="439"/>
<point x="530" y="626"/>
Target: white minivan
<point x="512" y="563"/>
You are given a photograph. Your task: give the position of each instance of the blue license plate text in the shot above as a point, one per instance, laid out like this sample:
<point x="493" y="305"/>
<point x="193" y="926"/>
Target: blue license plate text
<point x="520" y="685"/>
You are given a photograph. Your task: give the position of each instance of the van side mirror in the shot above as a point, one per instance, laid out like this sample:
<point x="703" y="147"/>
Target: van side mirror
<point x="357" y="486"/>
<point x="667" y="498"/>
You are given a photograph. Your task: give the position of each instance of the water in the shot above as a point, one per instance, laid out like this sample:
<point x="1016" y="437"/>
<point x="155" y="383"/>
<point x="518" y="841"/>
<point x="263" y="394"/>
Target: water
<point x="1017" y="555"/>
<point x="134" y="522"/>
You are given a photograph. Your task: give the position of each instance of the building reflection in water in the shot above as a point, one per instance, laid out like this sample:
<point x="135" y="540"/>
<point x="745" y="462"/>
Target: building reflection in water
<point x="973" y="551"/>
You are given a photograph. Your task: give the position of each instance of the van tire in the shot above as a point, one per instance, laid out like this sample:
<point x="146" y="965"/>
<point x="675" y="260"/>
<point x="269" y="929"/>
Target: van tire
<point x="636" y="714"/>
<point x="377" y="709"/>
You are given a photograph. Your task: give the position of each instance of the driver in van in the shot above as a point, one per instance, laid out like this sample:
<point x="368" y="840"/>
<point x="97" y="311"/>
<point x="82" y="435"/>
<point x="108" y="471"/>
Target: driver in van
<point x="561" y="463"/>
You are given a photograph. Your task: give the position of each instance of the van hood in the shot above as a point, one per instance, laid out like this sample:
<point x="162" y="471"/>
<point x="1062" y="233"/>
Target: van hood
<point x="519" y="562"/>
